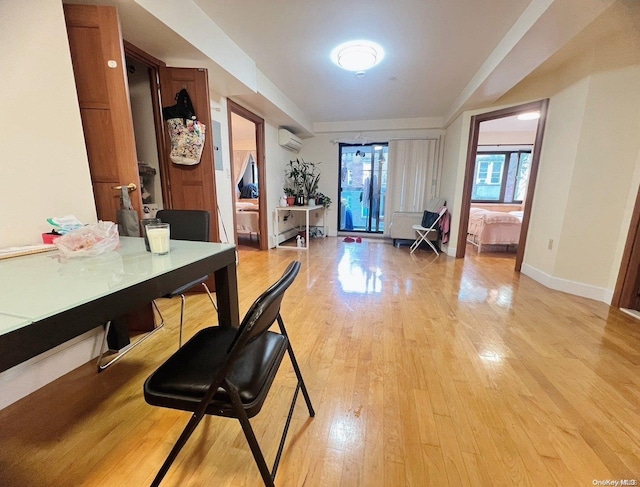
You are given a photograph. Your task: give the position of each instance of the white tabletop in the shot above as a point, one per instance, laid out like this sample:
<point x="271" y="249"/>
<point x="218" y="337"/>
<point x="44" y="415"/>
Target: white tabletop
<point x="9" y="323"/>
<point x="37" y="286"/>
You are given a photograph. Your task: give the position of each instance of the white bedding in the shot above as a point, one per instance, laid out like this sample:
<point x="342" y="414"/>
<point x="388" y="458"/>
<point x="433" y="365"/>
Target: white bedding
<point x="247" y="205"/>
<point x="247" y="222"/>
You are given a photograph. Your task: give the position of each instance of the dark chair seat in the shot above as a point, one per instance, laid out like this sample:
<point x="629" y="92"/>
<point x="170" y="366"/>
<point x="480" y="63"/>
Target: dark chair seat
<point x="183" y="380"/>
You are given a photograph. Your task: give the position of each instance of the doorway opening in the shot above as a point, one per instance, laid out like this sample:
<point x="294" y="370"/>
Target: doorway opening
<point x="144" y="98"/>
<point x="500" y="176"/>
<point x="248" y="176"/>
<point x="362" y="187"/>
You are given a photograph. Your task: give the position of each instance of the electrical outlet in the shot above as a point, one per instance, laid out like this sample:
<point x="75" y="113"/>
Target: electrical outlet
<point x="550" y="244"/>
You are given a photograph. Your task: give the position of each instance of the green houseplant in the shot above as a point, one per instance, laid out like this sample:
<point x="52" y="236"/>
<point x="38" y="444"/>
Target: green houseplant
<point x="322" y="199"/>
<point x="290" y="193"/>
<point x="303" y="178"/>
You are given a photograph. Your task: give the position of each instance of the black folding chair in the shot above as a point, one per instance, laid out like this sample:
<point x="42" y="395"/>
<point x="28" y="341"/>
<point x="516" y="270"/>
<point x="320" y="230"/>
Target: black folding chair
<point x="186" y="225"/>
<point x="225" y="371"/>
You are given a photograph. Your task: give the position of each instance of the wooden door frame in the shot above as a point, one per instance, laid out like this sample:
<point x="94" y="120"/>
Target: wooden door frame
<point x="467" y="185"/>
<point x="233" y="107"/>
<point x="154" y="65"/>
<point x="626" y="290"/>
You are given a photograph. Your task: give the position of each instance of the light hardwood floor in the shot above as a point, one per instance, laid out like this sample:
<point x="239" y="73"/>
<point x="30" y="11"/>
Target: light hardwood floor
<point x="422" y="371"/>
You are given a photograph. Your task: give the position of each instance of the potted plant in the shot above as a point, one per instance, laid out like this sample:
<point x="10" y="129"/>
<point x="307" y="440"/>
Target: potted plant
<point x="324" y="200"/>
<point x="290" y="193"/>
<point x="303" y="178"/>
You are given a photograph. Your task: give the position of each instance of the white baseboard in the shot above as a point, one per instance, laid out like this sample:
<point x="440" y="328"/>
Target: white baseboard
<point x="286" y="235"/>
<point x="27" y="377"/>
<point x="571" y="287"/>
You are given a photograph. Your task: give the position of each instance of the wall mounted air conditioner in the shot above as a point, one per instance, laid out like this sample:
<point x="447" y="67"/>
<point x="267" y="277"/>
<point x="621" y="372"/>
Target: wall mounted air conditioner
<point x="289" y="141"/>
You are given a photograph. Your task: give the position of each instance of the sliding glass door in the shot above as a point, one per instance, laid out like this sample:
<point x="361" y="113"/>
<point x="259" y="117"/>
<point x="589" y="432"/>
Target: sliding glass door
<point x="363" y="186"/>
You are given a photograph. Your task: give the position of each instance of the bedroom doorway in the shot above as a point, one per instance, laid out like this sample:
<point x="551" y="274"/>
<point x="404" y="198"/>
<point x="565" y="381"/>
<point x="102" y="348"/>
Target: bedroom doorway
<point x="500" y="176"/>
<point x="246" y="146"/>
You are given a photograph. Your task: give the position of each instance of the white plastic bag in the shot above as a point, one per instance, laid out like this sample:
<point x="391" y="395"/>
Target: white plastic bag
<point x="90" y="240"/>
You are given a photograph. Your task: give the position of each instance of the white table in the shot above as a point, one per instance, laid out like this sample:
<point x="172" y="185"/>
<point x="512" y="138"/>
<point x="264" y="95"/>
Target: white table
<point x="46" y="300"/>
<point x="306" y="210"/>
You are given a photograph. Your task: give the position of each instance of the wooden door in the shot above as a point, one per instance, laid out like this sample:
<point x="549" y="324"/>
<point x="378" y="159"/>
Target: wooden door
<point x="97" y="54"/>
<point x="191" y="187"/>
<point x="627" y="290"/>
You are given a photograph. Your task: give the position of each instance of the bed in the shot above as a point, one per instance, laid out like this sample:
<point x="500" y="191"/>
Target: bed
<point x="493" y="228"/>
<point x="247" y="220"/>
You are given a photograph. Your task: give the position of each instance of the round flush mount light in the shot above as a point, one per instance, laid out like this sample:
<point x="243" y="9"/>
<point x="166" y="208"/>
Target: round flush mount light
<point x="357" y="55"/>
<point x="529" y="116"/>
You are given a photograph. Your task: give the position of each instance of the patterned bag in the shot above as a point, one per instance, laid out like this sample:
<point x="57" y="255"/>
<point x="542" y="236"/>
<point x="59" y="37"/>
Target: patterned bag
<point x="187" y="140"/>
<point x="187" y="134"/>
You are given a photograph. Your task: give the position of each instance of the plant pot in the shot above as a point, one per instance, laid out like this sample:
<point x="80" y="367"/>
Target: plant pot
<point x="311" y="202"/>
<point x="291" y="200"/>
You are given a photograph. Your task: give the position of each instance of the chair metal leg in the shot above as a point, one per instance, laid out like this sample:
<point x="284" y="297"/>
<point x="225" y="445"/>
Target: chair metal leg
<point x="206" y="288"/>
<point x="432" y="246"/>
<point x="182" y="304"/>
<point x="423" y="238"/>
<point x="182" y="309"/>
<point x="285" y="431"/>
<point x="267" y="477"/>
<point x="416" y="243"/>
<point x="296" y="368"/>
<point x="155" y="306"/>
<point x="122" y="351"/>
<point x="182" y="440"/>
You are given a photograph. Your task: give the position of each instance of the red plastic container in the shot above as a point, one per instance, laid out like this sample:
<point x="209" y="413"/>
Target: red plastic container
<point x="49" y="238"/>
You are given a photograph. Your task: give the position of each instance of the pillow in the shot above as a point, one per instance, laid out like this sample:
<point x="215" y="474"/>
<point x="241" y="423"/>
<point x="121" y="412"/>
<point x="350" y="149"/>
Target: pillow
<point x="428" y="218"/>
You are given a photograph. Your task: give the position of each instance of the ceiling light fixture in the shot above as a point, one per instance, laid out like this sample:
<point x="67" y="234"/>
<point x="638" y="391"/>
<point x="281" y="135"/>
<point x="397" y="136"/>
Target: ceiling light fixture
<point x="357" y="55"/>
<point x="529" y="116"/>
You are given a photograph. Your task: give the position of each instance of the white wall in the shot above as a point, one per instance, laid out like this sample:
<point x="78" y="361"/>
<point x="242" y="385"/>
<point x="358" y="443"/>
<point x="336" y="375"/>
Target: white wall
<point x="223" y="177"/>
<point x="453" y="169"/>
<point x="602" y="179"/>
<point x="506" y="137"/>
<point x="323" y="149"/>
<point x="588" y="176"/>
<point x="276" y="158"/>
<point x="47" y="173"/>
<point x="44" y="172"/>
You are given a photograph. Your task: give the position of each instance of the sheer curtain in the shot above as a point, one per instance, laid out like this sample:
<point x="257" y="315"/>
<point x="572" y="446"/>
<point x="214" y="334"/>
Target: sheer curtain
<point x="240" y="161"/>
<point x="413" y="175"/>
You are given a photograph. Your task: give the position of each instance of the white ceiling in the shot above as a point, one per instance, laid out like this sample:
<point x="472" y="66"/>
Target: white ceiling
<point x="443" y="56"/>
<point x="433" y="48"/>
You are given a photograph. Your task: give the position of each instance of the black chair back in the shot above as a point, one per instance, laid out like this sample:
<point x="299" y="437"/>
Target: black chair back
<point x="265" y="310"/>
<point x="191" y="225"/>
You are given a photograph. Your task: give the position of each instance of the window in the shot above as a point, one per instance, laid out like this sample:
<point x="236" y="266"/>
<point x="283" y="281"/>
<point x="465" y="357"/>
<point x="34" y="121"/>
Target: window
<point x="501" y="176"/>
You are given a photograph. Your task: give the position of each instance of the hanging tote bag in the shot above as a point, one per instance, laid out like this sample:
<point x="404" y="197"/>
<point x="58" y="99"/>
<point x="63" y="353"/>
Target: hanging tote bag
<point x="187" y="134"/>
<point x="128" y="223"/>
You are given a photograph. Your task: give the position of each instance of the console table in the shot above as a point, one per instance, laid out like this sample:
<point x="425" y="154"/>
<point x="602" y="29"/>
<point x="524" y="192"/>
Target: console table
<point x="46" y="300"/>
<point x="306" y="210"/>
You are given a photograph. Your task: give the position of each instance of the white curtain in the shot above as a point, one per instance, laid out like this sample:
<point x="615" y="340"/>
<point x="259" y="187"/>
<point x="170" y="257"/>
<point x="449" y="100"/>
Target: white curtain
<point x="413" y="175"/>
<point x="240" y="161"/>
